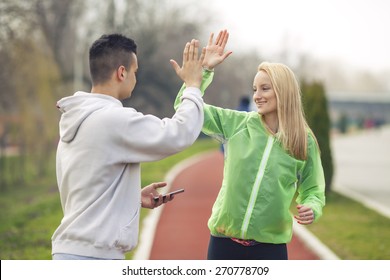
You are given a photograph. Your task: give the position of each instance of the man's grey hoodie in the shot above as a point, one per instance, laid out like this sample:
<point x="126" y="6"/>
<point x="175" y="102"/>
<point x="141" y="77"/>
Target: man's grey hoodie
<point x="98" y="161"/>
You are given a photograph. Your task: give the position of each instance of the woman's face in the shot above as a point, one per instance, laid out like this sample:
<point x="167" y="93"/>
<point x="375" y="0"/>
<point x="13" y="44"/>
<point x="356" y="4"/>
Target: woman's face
<point x="264" y="95"/>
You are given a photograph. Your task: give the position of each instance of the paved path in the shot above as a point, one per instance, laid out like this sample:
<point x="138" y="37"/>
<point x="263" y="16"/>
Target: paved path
<point x="362" y="168"/>
<point x="181" y="232"/>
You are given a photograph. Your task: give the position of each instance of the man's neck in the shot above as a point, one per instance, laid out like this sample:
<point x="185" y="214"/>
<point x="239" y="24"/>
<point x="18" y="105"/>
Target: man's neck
<point x="106" y="89"/>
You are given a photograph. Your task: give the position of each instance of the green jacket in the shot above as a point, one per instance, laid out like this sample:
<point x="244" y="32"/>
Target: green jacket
<point x="260" y="177"/>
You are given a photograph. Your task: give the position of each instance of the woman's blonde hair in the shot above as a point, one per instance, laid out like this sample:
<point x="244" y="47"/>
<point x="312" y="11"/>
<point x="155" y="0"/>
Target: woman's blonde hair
<point x="293" y="128"/>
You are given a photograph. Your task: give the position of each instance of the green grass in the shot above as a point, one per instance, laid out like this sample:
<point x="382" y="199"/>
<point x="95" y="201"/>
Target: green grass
<point x="30" y="214"/>
<point x="352" y="231"/>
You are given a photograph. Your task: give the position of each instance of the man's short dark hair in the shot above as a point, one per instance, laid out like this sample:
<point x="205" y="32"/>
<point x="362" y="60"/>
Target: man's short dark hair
<point x="107" y="54"/>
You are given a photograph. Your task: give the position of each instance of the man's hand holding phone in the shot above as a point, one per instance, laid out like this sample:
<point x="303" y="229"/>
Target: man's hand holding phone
<point x="151" y="198"/>
<point x="167" y="196"/>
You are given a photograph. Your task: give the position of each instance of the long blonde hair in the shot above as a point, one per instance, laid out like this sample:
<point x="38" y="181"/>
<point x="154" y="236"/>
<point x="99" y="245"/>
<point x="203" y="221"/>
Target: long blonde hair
<point x="293" y="128"/>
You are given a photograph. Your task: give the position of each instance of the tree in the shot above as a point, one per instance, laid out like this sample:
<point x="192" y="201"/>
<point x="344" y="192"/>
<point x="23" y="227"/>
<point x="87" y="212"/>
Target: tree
<point x="58" y="22"/>
<point x="158" y="27"/>
<point x="316" y="110"/>
<point x="27" y="100"/>
<point x="69" y="27"/>
<point x="41" y="44"/>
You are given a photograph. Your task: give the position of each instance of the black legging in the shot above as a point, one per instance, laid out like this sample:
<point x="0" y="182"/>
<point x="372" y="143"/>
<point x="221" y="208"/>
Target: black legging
<point x="227" y="249"/>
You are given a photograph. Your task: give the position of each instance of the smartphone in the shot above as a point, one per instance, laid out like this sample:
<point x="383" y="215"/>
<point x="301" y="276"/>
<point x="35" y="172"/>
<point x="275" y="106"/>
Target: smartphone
<point x="168" y="194"/>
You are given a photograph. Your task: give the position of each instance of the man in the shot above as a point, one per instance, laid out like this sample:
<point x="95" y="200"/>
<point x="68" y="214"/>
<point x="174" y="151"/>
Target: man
<point x="102" y="145"/>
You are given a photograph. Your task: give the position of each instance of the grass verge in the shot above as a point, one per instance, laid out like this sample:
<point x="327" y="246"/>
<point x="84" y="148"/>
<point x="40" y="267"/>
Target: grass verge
<point x="352" y="231"/>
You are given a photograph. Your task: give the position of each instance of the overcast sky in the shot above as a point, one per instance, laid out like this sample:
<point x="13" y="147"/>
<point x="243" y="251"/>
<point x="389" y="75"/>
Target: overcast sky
<point x="356" y="33"/>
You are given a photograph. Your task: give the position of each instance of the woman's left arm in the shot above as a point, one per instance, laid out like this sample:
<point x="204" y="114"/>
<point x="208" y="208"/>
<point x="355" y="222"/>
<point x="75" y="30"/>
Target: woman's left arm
<point x="311" y="190"/>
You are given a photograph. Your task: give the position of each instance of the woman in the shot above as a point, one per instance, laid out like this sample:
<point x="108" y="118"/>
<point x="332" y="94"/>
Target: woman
<point x="269" y="156"/>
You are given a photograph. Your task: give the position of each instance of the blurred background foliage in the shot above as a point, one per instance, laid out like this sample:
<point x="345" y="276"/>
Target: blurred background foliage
<point x="44" y="56"/>
<point x="315" y="105"/>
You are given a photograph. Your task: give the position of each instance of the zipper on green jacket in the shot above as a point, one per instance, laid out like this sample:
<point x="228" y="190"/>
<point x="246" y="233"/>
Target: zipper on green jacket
<point x="256" y="186"/>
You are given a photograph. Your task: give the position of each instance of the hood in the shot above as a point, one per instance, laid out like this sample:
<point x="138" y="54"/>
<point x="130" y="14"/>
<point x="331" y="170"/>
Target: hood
<point x="78" y="107"/>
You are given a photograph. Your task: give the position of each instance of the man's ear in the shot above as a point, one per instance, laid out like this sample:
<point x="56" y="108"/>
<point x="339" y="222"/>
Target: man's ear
<point x="121" y="73"/>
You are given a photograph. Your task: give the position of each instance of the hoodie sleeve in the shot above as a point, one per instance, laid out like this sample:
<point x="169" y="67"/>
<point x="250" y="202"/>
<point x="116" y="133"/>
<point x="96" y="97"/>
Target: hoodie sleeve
<point x="206" y="81"/>
<point x="141" y="138"/>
